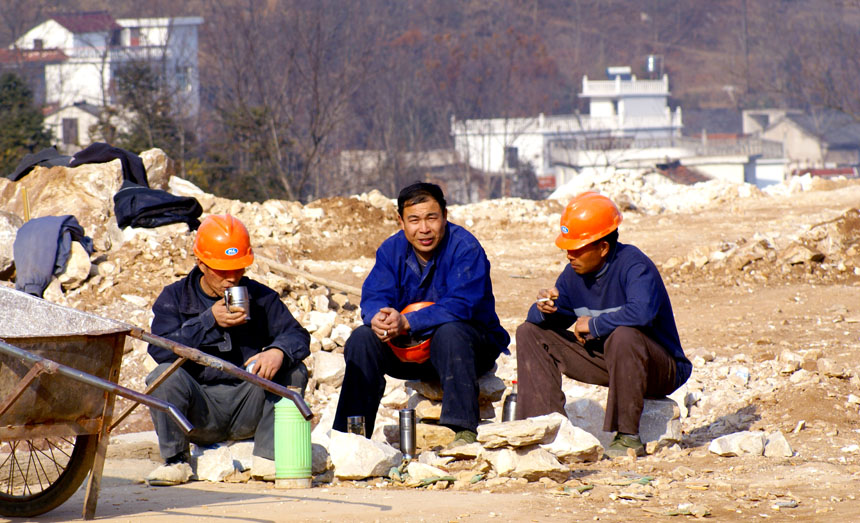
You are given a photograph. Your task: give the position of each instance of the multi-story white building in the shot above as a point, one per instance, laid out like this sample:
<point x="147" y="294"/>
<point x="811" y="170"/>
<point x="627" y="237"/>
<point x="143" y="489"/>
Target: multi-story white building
<point x="73" y="60"/>
<point x="627" y="117"/>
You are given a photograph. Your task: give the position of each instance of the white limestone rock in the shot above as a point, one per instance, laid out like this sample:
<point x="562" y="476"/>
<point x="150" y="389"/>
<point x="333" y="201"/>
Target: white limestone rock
<point x="572" y="444"/>
<point x="356" y="457"/>
<point x="420" y="471"/>
<point x="329" y="368"/>
<point x="520" y="433"/>
<point x="739" y="443"/>
<point x="213" y="464"/>
<point x="776" y="446"/>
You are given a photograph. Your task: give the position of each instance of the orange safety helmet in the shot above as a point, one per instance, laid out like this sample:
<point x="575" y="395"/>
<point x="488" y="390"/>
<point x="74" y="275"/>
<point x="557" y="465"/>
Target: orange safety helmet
<point x="407" y="348"/>
<point x="587" y="218"/>
<point x="222" y="243"/>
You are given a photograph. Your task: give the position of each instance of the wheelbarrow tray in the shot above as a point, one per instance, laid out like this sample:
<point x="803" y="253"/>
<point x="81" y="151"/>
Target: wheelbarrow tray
<point x="56" y="404"/>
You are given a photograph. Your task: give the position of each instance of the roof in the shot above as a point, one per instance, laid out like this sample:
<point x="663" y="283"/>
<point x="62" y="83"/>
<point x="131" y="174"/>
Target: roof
<point x="834" y="128"/>
<point x="681" y="174"/>
<point x="87" y="21"/>
<point x="14" y="56"/>
<point x="78" y="106"/>
<point x="713" y="121"/>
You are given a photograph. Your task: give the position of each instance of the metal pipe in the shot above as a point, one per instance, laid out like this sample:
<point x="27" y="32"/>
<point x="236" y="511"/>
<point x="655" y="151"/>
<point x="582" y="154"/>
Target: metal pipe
<point x="100" y="383"/>
<point x="226" y="367"/>
<point x="152" y="386"/>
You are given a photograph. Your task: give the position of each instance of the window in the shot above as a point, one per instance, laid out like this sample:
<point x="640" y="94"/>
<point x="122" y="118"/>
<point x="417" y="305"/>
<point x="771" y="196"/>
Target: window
<point x="38" y="43"/>
<point x="134" y="36"/>
<point x="70" y="131"/>
<point x="512" y="159"/>
<point x="183" y="78"/>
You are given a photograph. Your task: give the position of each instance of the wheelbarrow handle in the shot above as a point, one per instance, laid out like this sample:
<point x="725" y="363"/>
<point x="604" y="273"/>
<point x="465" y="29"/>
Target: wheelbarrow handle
<point x="208" y="360"/>
<point x="52" y="367"/>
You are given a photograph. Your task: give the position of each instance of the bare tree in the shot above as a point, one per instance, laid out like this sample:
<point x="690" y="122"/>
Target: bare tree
<point x="281" y="75"/>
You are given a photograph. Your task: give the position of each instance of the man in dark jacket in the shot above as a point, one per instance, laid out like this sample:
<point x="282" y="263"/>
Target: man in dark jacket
<point x="428" y="260"/>
<point x="608" y="321"/>
<point x="193" y="312"/>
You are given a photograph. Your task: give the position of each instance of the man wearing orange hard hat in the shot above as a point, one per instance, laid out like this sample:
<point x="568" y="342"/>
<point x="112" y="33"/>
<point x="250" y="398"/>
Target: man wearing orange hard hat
<point x="607" y="321"/>
<point x="429" y="314"/>
<point x="265" y="338"/>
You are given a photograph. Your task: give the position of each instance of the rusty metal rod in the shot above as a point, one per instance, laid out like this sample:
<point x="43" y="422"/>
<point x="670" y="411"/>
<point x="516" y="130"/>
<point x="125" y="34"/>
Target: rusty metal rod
<point x="224" y="366"/>
<point x="35" y="371"/>
<point x="100" y="383"/>
<point x="152" y="386"/>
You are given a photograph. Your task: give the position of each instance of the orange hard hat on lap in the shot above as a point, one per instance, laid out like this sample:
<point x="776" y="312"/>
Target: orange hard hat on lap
<point x="222" y="243"/>
<point x="407" y="348"/>
<point x="587" y="218"/>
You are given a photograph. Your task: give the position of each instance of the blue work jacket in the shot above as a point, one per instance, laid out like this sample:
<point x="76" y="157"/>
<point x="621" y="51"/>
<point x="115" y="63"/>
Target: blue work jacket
<point x="456" y="279"/>
<point x="183" y="316"/>
<point x="626" y="291"/>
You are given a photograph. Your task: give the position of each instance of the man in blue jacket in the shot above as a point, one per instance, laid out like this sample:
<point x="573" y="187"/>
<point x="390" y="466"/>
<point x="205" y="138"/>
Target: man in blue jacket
<point x="608" y="321"/>
<point x="193" y="312"/>
<point x="428" y="260"/>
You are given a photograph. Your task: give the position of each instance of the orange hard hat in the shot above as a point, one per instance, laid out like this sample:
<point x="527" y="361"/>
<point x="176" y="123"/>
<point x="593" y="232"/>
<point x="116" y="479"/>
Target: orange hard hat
<point x="222" y="243"/>
<point x="587" y="218"/>
<point x="408" y="348"/>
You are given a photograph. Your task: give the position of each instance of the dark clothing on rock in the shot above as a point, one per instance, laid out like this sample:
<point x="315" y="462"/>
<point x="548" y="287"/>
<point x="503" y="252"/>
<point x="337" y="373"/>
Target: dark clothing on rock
<point x="223" y="407"/>
<point x="456" y="361"/>
<point x="48" y="157"/>
<point x="633" y="348"/>
<point x="466" y="334"/>
<point x="138" y="206"/>
<point x="220" y="412"/>
<point x="41" y="249"/>
<point x="99" y="152"/>
<point x="633" y="366"/>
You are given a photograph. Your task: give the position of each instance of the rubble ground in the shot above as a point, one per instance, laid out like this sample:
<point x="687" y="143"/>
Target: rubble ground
<point x="766" y="292"/>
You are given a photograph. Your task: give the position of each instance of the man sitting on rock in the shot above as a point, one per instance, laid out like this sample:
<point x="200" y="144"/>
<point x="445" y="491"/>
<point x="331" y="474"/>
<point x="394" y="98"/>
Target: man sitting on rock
<point x="608" y="321"/>
<point x="428" y="260"/>
<point x="193" y="312"/>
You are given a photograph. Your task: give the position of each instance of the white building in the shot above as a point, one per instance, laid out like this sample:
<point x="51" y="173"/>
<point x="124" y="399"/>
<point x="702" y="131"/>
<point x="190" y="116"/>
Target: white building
<point x="87" y="50"/>
<point x="627" y="117"/>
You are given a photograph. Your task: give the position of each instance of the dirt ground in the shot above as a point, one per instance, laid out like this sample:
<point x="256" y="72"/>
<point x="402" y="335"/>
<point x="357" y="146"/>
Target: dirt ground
<point x="742" y="319"/>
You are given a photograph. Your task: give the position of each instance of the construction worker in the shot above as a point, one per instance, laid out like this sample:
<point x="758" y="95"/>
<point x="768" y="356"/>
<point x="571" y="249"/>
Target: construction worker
<point x="428" y="260"/>
<point x="193" y="312"/>
<point x="607" y="321"/>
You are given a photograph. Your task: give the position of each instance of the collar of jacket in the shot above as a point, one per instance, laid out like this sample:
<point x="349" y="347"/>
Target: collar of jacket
<point x="609" y="259"/>
<point x="412" y="256"/>
<point x="189" y="302"/>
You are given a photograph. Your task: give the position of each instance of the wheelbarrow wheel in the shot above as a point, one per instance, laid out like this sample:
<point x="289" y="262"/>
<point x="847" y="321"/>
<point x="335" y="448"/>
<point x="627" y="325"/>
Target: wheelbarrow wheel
<point x="38" y="475"/>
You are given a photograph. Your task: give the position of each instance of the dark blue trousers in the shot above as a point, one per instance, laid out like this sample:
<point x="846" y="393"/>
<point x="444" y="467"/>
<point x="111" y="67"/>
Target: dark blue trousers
<point x="459" y="354"/>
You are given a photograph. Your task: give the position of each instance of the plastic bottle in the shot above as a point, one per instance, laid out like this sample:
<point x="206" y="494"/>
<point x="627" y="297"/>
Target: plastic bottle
<point x="292" y="446"/>
<point x="509" y="411"/>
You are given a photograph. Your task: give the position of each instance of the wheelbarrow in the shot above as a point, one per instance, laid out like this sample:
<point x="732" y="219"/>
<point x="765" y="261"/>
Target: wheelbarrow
<point x="59" y="369"/>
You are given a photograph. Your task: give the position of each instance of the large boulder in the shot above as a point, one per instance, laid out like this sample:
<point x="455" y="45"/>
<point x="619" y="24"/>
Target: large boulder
<point x="356" y="457"/>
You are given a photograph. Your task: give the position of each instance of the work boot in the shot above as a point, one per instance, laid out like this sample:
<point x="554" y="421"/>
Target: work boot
<point x="170" y="474"/>
<point x="463" y="437"/>
<point x="262" y="468"/>
<point x="624" y="442"/>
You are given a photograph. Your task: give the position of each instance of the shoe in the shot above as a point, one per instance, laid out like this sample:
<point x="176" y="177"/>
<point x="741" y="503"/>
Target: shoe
<point x="464" y="437"/>
<point x="262" y="468"/>
<point x="624" y="442"/>
<point x="170" y="474"/>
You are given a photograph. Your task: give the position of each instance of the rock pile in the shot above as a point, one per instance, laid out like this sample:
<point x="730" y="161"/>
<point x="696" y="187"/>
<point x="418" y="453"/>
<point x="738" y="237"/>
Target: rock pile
<point x="826" y="252"/>
<point x="646" y="191"/>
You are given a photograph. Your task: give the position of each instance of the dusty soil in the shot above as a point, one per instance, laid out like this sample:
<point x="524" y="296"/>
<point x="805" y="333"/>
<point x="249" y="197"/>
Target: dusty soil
<point x="730" y="315"/>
